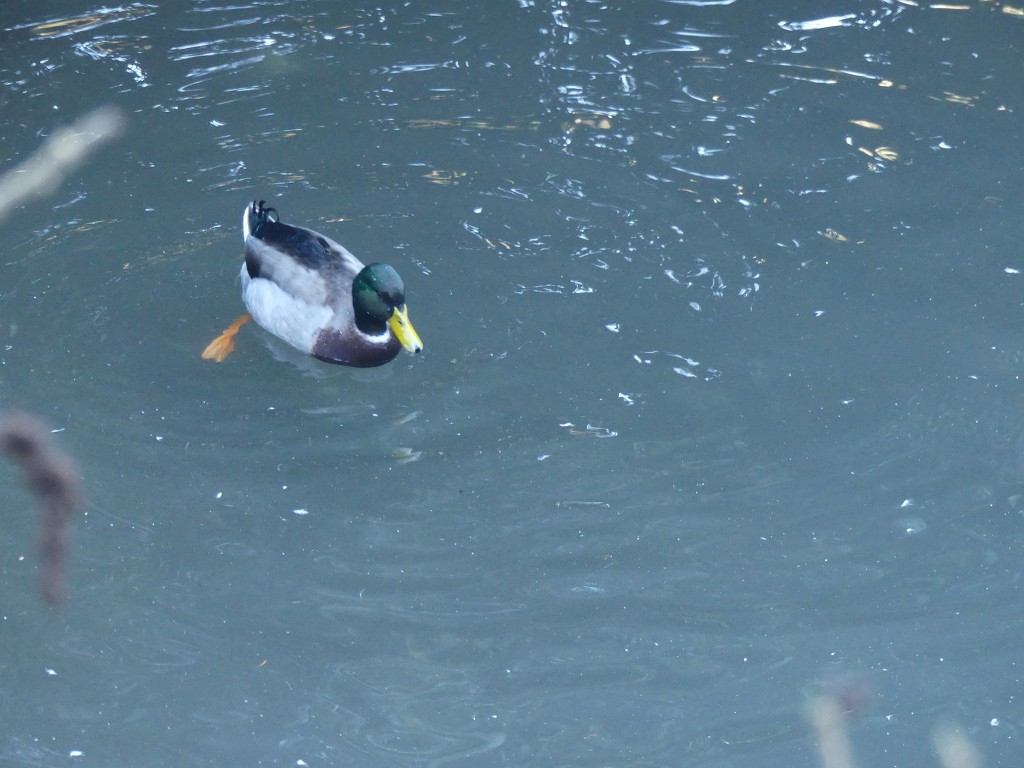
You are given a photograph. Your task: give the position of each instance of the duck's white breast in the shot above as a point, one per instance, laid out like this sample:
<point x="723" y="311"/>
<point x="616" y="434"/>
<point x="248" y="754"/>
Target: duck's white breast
<point x="288" y="317"/>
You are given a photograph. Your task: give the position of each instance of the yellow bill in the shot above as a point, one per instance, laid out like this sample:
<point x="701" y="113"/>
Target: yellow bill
<point x="403" y="330"/>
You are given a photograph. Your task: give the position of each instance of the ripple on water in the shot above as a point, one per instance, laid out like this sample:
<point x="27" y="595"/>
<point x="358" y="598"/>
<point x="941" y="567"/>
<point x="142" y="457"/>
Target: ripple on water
<point x="407" y="708"/>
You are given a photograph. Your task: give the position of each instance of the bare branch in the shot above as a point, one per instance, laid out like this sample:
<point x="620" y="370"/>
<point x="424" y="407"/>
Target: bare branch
<point x="66" y="148"/>
<point x="52" y="477"/>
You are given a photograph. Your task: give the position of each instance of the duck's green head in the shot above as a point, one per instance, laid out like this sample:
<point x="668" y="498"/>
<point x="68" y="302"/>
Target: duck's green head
<point x="378" y="296"/>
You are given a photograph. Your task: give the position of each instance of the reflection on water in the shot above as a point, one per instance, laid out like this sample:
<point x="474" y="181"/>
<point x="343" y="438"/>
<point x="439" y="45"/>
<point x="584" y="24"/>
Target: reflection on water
<point x="723" y="398"/>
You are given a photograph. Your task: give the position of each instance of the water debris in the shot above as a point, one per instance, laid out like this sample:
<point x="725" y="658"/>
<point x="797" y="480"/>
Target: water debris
<point x="882" y="153"/>
<point x="597" y="120"/>
<point x="408" y="417"/>
<point x="956" y="98"/>
<point x="53" y="478"/>
<point x="589" y="431"/>
<point x="868" y="124"/>
<point x="909" y="526"/>
<point x="91" y="20"/>
<point x="405" y="455"/>
<point x="576" y="504"/>
<point x="833" y="235"/>
<point x="444" y="177"/>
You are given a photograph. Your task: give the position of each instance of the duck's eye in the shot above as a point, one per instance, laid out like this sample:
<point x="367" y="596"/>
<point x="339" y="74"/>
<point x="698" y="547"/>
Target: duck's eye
<point x="381" y="306"/>
<point x="391" y="299"/>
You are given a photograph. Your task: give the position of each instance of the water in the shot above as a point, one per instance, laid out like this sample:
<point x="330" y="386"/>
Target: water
<point x="719" y="400"/>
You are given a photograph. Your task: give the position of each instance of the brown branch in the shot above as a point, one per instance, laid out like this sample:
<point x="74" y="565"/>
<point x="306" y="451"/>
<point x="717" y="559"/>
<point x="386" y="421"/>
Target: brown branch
<point x="52" y="477"/>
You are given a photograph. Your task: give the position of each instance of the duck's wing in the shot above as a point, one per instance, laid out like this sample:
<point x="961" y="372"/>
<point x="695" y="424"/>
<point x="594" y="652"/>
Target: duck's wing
<point x="303" y="263"/>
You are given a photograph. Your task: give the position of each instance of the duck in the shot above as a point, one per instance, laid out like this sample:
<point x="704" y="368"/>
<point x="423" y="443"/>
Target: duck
<point x="313" y="294"/>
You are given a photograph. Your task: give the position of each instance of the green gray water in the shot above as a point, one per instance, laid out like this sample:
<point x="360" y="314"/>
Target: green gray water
<point x="720" y="396"/>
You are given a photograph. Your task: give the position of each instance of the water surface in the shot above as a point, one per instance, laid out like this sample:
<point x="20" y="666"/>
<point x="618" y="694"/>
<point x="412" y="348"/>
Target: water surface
<point x="719" y="399"/>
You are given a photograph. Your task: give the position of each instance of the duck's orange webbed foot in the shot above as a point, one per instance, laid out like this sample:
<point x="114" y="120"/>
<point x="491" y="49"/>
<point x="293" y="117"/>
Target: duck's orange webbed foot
<point x="224" y="344"/>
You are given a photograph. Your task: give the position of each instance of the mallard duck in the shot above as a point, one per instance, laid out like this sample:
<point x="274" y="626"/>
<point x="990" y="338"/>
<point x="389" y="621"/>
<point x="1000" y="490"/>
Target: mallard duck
<point x="310" y="292"/>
